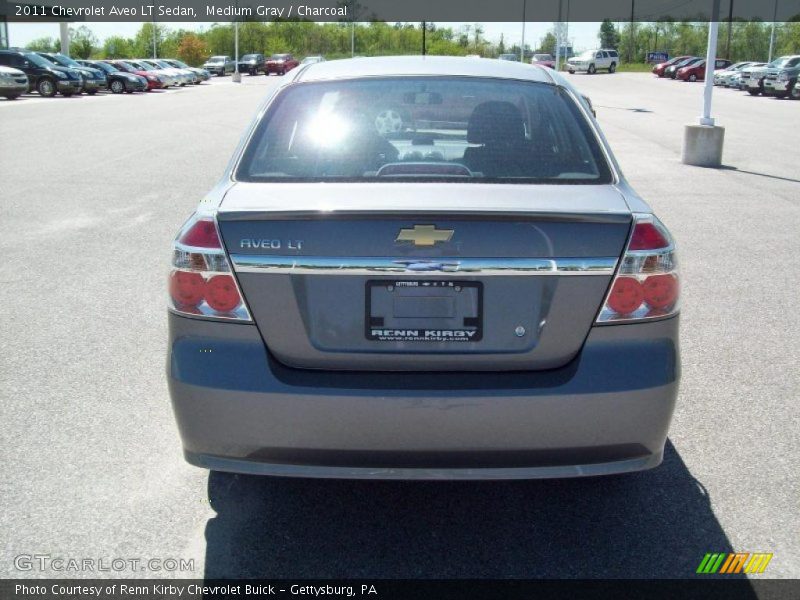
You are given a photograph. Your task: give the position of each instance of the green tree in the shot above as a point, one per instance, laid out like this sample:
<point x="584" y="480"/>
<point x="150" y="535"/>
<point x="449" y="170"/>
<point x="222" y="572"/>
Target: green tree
<point x="609" y="37"/>
<point x="547" y="45"/>
<point x="117" y="47"/>
<point x="44" y="44"/>
<point x="82" y="42"/>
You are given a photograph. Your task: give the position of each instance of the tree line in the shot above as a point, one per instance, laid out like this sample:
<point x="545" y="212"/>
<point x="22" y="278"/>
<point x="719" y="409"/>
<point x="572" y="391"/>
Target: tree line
<point x="749" y="40"/>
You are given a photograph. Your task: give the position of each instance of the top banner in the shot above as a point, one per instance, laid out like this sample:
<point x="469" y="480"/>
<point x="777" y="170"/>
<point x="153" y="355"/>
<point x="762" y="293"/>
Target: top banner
<point x="399" y="10"/>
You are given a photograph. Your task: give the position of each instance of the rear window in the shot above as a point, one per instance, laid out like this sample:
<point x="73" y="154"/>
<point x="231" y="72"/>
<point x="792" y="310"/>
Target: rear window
<point x="423" y="128"/>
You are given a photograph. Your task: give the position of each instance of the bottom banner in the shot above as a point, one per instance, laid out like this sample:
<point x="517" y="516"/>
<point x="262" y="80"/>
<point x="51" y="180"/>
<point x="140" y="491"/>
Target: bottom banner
<point x="132" y="589"/>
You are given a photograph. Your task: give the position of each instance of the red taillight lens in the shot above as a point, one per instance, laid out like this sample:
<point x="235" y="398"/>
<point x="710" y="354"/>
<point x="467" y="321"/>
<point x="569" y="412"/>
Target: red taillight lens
<point x="626" y="295"/>
<point x="201" y="283"/>
<point x="660" y="291"/>
<point x="222" y="294"/>
<point x="646" y="284"/>
<point x="202" y="234"/>
<point x="187" y="289"/>
<point x="646" y="236"/>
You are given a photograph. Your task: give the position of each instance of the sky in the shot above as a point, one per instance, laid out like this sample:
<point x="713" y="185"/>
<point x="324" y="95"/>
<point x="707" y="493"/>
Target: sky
<point x="582" y="35"/>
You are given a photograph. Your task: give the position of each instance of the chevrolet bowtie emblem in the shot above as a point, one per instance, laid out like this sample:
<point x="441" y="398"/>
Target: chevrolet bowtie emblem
<point x="424" y="235"/>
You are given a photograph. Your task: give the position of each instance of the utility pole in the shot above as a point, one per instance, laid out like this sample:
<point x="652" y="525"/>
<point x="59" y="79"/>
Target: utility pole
<point x="522" y="44"/>
<point x="423" y="38"/>
<point x="155" y="50"/>
<point x="772" y="33"/>
<point x="730" y="25"/>
<point x="352" y="39"/>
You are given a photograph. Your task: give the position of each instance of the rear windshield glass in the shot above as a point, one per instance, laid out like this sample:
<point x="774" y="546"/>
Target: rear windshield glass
<point x="417" y="128"/>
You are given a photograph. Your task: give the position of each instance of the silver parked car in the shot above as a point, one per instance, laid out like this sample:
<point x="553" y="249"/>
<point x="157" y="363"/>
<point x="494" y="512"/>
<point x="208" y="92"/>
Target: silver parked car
<point x="423" y="268"/>
<point x="13" y="83"/>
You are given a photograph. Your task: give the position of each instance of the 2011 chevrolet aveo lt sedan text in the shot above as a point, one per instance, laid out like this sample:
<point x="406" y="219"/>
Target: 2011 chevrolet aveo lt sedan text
<point x="423" y="268"/>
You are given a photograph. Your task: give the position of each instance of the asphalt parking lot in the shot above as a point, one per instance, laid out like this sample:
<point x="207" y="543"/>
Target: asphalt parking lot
<point x="92" y="192"/>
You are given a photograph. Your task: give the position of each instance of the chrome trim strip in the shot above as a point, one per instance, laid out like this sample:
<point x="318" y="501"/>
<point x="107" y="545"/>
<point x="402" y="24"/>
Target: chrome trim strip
<point x="318" y="265"/>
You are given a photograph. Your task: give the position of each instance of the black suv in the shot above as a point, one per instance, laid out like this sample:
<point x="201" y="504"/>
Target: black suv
<point x="252" y="63"/>
<point x="43" y="76"/>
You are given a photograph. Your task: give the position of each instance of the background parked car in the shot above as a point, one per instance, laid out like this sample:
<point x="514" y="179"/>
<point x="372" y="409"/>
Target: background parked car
<point x="220" y="65"/>
<point x="755" y="77"/>
<point x="660" y="69"/>
<point x="169" y="79"/>
<point x="185" y="76"/>
<point x="310" y="60"/>
<point x="13" y="83"/>
<point x="721" y="75"/>
<point x="696" y="71"/>
<point x="202" y="74"/>
<point x="780" y="79"/>
<point x="154" y="82"/>
<point x="44" y="76"/>
<point x="796" y="91"/>
<point x="178" y="77"/>
<point x="252" y="64"/>
<point x="672" y="70"/>
<point x="281" y="63"/>
<point x="737" y="80"/>
<point x="592" y="60"/>
<point x="118" y="81"/>
<point x="93" y="79"/>
<point x="545" y="60"/>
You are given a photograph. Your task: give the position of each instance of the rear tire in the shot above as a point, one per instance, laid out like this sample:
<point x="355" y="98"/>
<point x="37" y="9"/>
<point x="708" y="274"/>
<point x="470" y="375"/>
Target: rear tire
<point x="13" y="96"/>
<point x="117" y="86"/>
<point x="753" y="92"/>
<point x="612" y="68"/>
<point x="591" y="70"/>
<point x="92" y="93"/>
<point x="795" y="94"/>
<point x="46" y="87"/>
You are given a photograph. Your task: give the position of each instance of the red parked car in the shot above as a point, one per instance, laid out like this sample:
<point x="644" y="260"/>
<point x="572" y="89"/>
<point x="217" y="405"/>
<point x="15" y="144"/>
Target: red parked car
<point x="153" y="81"/>
<point x="280" y="64"/>
<point x="697" y="70"/>
<point x="659" y="69"/>
<point x="545" y="60"/>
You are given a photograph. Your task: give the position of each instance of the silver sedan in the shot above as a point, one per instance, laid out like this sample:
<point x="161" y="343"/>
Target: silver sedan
<point x="423" y="268"/>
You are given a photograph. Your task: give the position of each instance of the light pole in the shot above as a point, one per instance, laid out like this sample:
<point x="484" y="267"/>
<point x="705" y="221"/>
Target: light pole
<point x="558" y="38"/>
<point x="772" y="33"/>
<point x="702" y="143"/>
<point x="64" y="31"/>
<point x="237" y="77"/>
<point x="155" y="51"/>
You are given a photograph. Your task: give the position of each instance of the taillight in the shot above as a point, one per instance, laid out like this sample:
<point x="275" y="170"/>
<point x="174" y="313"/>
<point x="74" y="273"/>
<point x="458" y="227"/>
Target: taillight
<point x="201" y="282"/>
<point x="646" y="285"/>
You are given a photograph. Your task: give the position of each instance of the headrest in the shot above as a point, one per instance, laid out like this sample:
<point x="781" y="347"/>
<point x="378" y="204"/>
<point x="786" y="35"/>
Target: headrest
<point x="495" y="122"/>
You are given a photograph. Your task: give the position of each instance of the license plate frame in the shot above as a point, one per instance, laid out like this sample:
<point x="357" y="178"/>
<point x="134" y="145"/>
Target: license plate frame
<point x="471" y="330"/>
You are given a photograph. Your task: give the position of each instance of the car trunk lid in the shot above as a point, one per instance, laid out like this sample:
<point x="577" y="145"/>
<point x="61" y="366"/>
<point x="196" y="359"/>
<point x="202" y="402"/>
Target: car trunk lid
<point x="424" y="276"/>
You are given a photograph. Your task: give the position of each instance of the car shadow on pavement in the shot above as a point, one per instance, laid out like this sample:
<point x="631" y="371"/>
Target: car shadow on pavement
<point x="656" y="523"/>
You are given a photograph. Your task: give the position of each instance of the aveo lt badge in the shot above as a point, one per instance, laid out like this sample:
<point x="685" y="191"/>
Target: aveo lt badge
<point x="424" y="235"/>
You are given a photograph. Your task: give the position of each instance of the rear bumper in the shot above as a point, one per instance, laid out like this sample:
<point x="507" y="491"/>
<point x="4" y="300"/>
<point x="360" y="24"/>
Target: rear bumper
<point x="606" y="412"/>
